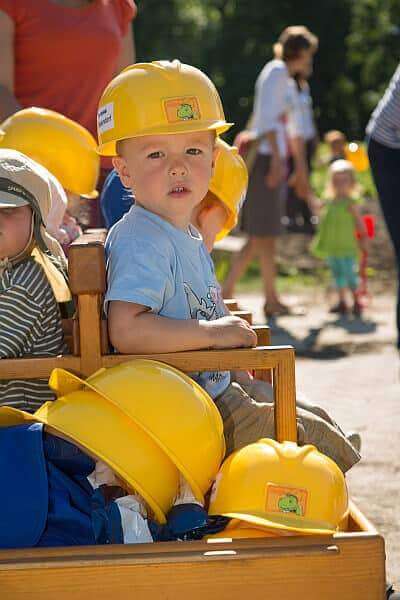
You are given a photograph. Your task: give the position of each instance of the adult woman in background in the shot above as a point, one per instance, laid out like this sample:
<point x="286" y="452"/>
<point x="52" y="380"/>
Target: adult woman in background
<point x="60" y="54"/>
<point x="264" y="206"/>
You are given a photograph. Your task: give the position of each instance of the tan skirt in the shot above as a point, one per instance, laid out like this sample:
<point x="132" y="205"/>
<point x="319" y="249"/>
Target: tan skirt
<point x="263" y="209"/>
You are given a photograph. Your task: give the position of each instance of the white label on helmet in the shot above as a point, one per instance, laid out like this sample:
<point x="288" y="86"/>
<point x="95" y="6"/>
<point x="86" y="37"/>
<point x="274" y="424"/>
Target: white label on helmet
<point x="105" y="117"/>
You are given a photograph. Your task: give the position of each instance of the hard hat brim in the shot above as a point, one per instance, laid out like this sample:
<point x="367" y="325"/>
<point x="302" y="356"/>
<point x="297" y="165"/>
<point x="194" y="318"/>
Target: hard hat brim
<point x="10" y="417"/>
<point x="109" y="148"/>
<point x="279" y="522"/>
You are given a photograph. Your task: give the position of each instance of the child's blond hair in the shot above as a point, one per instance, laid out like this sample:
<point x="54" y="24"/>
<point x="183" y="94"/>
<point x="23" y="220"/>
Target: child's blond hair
<point x="334" y="135"/>
<point x="342" y="166"/>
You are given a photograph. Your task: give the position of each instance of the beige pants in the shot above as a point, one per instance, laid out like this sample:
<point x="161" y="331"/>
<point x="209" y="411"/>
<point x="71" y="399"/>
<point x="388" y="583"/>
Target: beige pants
<point x="247" y="418"/>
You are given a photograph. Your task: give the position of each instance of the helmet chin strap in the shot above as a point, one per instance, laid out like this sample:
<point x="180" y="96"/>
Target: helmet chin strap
<point x="7" y="262"/>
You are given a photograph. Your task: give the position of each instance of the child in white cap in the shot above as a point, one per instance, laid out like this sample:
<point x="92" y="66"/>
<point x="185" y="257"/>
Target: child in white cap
<point x="31" y="277"/>
<point x="336" y="240"/>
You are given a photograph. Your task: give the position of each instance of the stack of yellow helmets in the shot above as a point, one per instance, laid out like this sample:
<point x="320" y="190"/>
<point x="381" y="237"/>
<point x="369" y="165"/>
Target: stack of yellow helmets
<point x="146" y="420"/>
<point x="270" y="488"/>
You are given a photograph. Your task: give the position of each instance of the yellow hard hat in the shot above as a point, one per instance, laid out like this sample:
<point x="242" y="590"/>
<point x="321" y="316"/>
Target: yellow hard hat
<point x="160" y="97"/>
<point x="229" y="183"/>
<point x="61" y="145"/>
<point x="282" y="487"/>
<point x="356" y="154"/>
<point x="237" y="529"/>
<point x="169" y="406"/>
<point x="91" y="422"/>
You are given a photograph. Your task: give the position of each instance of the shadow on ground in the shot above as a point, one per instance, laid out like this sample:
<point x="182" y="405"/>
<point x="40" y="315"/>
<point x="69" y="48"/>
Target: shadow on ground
<point x="310" y="345"/>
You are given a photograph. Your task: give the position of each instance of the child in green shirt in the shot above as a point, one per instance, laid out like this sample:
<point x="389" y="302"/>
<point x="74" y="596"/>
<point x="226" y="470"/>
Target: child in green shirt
<point x="336" y="240"/>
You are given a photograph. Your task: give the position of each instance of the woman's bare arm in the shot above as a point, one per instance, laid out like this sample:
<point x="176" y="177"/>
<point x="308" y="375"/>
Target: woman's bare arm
<point x="127" y="55"/>
<point x="8" y="102"/>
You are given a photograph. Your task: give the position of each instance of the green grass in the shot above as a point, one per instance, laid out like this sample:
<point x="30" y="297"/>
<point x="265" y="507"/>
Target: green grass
<point x="289" y="278"/>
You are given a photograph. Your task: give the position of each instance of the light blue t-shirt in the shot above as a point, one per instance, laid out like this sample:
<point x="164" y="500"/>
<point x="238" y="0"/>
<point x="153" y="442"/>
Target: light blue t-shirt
<point x="151" y="262"/>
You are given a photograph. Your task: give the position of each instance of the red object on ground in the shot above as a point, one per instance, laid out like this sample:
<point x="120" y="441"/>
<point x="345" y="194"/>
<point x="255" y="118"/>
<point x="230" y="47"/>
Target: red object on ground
<point x="369" y="222"/>
<point x="363" y="295"/>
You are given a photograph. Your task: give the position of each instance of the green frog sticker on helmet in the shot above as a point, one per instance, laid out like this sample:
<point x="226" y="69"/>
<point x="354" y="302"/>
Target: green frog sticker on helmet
<point x="185" y="112"/>
<point x="289" y="504"/>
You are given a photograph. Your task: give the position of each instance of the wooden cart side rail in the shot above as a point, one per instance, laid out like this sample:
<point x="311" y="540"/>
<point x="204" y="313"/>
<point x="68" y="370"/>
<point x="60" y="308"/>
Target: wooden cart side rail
<point x="31" y="557"/>
<point x="215" y="549"/>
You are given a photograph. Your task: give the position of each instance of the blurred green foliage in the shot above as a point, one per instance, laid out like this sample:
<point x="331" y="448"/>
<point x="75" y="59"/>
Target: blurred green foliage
<point x="232" y="39"/>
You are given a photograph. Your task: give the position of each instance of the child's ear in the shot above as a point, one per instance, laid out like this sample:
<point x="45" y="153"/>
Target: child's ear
<point x="120" y="165"/>
<point x="215" y="156"/>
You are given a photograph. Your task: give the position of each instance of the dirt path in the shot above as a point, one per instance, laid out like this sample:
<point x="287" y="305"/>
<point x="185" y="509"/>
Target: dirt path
<point x="352" y="369"/>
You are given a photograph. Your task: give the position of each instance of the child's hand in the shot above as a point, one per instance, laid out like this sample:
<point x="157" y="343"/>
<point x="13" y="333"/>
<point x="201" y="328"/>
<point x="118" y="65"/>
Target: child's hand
<point x="243" y="137"/>
<point x="231" y="332"/>
<point x="315" y="205"/>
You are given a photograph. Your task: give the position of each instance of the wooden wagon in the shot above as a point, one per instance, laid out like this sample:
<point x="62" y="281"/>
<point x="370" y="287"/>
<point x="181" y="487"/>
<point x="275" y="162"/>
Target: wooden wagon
<point x="347" y="565"/>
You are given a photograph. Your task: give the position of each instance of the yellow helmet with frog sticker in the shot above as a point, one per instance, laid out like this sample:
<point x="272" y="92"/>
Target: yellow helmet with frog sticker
<point x="160" y="97"/>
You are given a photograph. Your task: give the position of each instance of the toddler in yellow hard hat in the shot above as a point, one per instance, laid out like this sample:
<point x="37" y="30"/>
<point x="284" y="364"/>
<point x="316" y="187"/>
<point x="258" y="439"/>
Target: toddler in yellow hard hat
<point x="31" y="277"/>
<point x="216" y="214"/>
<point x="160" y="122"/>
<point x="68" y="152"/>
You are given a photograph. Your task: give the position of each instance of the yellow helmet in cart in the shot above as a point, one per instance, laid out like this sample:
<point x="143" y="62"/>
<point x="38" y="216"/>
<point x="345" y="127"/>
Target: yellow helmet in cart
<point x="281" y="487"/>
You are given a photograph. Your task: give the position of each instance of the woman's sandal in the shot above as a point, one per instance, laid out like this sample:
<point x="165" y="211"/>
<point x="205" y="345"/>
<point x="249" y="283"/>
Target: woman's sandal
<point x="281" y="310"/>
<point x="275" y="309"/>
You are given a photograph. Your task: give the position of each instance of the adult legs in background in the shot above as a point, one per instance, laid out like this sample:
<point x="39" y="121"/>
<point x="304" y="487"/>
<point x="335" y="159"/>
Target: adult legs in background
<point x="385" y="167"/>
<point x="262" y="248"/>
<point x="267" y="254"/>
<point x="262" y="222"/>
<point x="240" y="262"/>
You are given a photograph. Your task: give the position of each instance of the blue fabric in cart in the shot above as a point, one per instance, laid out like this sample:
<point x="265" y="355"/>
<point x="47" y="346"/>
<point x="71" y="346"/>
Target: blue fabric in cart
<point x="40" y="504"/>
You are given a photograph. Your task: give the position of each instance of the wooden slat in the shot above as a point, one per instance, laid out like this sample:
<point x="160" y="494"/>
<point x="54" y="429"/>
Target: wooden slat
<point x="213" y="360"/>
<point x="89" y="311"/>
<point x="10" y="558"/>
<point x="285" y="398"/>
<point x="358" y="521"/>
<point x="86" y="265"/>
<point x="345" y="567"/>
<point x="197" y="360"/>
<point x="243" y="314"/>
<point x="36" y="368"/>
<point x="263" y="339"/>
<point x="231" y="304"/>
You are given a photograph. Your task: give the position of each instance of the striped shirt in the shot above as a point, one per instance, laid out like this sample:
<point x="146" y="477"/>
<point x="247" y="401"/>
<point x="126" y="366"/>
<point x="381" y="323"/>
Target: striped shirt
<point x="30" y="326"/>
<point x="384" y="125"/>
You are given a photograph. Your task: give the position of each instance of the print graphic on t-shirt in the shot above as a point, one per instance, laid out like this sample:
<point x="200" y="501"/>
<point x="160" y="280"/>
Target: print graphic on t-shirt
<point x="204" y="308"/>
